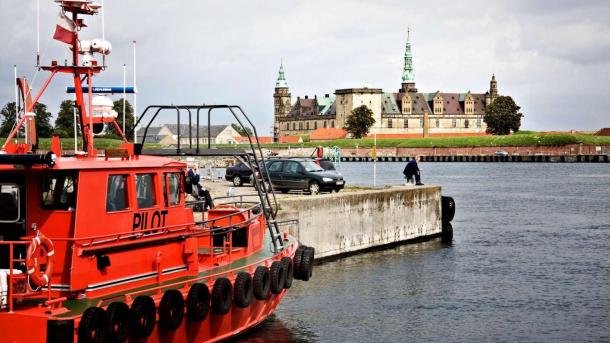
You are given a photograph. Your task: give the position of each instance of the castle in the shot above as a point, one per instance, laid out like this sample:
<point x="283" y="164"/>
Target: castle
<point x="405" y="113"/>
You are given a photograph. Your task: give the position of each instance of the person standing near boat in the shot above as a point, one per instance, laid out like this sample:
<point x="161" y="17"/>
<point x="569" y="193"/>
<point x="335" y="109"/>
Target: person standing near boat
<point x="412" y="170"/>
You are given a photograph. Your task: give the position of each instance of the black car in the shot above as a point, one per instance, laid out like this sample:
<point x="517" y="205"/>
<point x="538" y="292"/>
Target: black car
<point x="238" y="174"/>
<point x="303" y="174"/>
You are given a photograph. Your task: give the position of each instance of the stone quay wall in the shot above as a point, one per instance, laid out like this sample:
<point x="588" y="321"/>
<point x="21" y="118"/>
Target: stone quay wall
<point x="346" y="222"/>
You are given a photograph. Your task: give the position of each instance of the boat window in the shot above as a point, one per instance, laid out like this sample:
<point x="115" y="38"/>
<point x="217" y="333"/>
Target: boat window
<point x="145" y="190"/>
<point x="171" y="183"/>
<point x="9" y="200"/>
<point x="116" y="194"/>
<point x="59" y="192"/>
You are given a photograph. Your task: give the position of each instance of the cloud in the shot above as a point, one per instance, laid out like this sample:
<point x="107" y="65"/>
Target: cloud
<point x="548" y="55"/>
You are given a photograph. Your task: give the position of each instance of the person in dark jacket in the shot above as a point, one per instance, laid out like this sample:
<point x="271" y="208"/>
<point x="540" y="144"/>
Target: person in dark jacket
<point x="193" y="174"/>
<point x="412" y="170"/>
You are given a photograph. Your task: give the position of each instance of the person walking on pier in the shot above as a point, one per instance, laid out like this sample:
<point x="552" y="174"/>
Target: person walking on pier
<point x="412" y="170"/>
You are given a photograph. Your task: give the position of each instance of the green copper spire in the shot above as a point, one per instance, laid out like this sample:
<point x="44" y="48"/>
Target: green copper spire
<point x="281" y="78"/>
<point x="407" y="72"/>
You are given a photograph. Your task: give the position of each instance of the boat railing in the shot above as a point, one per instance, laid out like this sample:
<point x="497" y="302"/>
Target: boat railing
<point x="93" y="244"/>
<point x="15" y="264"/>
<point x="254" y="156"/>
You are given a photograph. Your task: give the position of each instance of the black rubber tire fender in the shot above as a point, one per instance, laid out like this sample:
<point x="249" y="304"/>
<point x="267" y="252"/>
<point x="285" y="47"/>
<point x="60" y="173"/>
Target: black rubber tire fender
<point x="221" y="296"/>
<point x="118" y="320"/>
<point x="288" y="271"/>
<point x="298" y="256"/>
<point x="261" y="282"/>
<point x="171" y="310"/>
<point x="198" y="302"/>
<point x="142" y="316"/>
<point x="307" y="264"/>
<point x="243" y="291"/>
<point x="278" y="277"/>
<point x="447" y="208"/>
<point x="93" y="327"/>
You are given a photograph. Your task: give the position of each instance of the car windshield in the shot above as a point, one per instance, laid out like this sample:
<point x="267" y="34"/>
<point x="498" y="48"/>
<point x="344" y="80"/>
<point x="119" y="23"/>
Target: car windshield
<point x="311" y="166"/>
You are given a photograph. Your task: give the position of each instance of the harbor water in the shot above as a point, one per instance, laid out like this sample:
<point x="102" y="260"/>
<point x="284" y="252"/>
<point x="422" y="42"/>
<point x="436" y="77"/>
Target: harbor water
<point x="529" y="262"/>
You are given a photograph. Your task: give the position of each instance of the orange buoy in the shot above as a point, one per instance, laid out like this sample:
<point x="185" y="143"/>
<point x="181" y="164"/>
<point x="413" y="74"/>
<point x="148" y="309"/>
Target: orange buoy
<point x="40" y="252"/>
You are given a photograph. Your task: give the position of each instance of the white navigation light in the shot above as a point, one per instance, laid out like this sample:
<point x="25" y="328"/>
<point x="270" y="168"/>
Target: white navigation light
<point x="88" y="47"/>
<point x="102" y="107"/>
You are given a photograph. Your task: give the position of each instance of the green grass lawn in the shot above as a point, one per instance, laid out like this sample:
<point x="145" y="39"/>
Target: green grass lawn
<point x="522" y="139"/>
<point x="68" y="143"/>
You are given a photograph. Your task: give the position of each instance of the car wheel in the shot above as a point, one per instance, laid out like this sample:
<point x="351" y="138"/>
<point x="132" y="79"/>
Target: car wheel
<point x="284" y="190"/>
<point x="337" y="190"/>
<point x="237" y="181"/>
<point x="314" y="187"/>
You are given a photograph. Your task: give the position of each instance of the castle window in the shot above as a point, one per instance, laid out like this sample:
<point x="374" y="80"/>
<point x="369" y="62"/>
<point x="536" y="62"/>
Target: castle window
<point x="421" y="123"/>
<point x="438" y="123"/>
<point x="315" y="125"/>
<point x="332" y="123"/>
<point x="466" y="123"/>
<point x="479" y="123"/>
<point x="301" y="126"/>
<point x="307" y="126"/>
<point x="294" y="126"/>
<point x="406" y="123"/>
<point x="453" y="123"/>
<point x="325" y="124"/>
<point x="389" y="123"/>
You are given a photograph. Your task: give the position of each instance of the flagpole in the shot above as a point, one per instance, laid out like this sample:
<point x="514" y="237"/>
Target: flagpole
<point x="16" y="96"/>
<point x="124" y="86"/>
<point x="75" y="133"/>
<point x="135" y="96"/>
<point x="37" y="33"/>
<point x="103" y="33"/>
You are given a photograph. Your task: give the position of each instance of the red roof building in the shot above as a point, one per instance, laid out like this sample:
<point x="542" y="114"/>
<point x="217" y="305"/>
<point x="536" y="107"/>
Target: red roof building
<point x="261" y="140"/>
<point x="291" y="139"/>
<point x="326" y="134"/>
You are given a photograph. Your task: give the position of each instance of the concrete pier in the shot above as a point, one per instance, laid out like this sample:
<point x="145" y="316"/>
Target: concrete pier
<point x="346" y="222"/>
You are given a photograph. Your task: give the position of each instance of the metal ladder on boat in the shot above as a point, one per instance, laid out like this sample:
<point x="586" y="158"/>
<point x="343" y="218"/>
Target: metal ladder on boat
<point x="264" y="187"/>
<point x="254" y="157"/>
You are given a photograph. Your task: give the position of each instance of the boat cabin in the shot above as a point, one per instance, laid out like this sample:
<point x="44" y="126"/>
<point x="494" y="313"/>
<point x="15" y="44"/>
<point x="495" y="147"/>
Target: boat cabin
<point x="117" y="220"/>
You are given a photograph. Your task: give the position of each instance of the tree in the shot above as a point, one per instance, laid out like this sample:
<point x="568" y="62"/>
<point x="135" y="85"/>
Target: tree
<point x="241" y="130"/>
<point x="502" y="116"/>
<point x="129" y="119"/>
<point x="8" y="119"/>
<point x="44" y="129"/>
<point x="359" y="122"/>
<point x="43" y="117"/>
<point x="64" y="123"/>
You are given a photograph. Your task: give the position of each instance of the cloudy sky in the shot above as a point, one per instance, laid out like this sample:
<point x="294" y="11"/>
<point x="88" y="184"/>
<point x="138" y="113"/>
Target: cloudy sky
<point x="552" y="57"/>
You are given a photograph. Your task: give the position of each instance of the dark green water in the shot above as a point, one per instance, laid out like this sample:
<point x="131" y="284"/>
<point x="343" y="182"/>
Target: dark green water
<point x="529" y="262"/>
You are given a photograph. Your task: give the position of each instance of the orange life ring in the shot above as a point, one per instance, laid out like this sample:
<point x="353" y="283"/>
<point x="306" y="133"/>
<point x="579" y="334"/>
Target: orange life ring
<point x="40" y="252"/>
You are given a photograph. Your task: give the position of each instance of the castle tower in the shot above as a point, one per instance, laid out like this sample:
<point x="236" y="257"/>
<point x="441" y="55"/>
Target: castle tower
<point x="492" y="94"/>
<point x="281" y="102"/>
<point x="408" y="77"/>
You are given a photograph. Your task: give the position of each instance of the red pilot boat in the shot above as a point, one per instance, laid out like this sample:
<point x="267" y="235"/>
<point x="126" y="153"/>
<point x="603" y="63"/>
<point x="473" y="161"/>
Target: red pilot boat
<point x="105" y="247"/>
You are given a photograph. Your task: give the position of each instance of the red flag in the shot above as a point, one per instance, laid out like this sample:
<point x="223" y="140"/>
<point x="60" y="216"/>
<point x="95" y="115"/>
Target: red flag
<point x="65" y="30"/>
